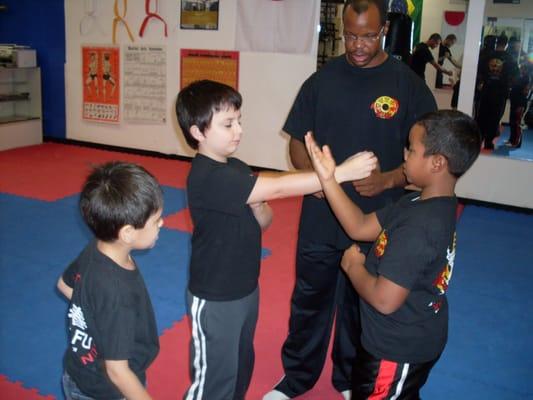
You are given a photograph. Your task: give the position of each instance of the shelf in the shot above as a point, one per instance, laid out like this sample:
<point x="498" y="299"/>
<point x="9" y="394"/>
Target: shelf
<point x="25" y="96"/>
<point x="16" y="118"/>
<point x="20" y="107"/>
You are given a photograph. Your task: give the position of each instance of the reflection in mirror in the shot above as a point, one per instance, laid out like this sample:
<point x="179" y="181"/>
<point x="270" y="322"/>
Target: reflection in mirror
<point x="502" y="102"/>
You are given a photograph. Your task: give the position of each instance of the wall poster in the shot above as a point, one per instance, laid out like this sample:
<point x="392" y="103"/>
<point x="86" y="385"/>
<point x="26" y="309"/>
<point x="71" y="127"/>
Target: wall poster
<point x="145" y="78"/>
<point x="216" y="65"/>
<point x="101" y="83"/>
<point x="199" y="14"/>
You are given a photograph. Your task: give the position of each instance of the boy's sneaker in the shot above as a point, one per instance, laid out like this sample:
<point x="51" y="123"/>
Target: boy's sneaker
<point x="347" y="394"/>
<point x="275" y="395"/>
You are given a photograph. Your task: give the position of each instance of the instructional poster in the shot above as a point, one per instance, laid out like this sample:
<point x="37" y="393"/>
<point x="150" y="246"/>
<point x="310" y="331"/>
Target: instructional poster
<point x="101" y="83"/>
<point x="216" y="65"/>
<point x="145" y="77"/>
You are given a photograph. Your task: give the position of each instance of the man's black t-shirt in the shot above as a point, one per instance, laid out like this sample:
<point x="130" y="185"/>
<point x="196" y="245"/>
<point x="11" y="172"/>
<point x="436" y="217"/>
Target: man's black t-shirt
<point x="415" y="250"/>
<point x="226" y="241"/>
<point x="421" y="56"/>
<point x="355" y="109"/>
<point x="110" y="317"/>
<point x="444" y="53"/>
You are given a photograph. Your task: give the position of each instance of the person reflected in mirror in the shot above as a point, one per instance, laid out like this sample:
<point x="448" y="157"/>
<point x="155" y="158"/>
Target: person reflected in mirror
<point x="491" y="102"/>
<point x="422" y="56"/>
<point x="446" y="54"/>
<point x="519" y="97"/>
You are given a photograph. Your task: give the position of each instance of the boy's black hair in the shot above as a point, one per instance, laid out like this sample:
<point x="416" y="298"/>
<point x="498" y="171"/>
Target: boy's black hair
<point x="116" y="194"/>
<point x="361" y="6"/>
<point x="198" y="101"/>
<point x="454" y="135"/>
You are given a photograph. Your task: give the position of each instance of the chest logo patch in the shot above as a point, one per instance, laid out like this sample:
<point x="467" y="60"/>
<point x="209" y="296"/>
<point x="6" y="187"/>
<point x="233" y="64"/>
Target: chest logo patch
<point x="385" y="107"/>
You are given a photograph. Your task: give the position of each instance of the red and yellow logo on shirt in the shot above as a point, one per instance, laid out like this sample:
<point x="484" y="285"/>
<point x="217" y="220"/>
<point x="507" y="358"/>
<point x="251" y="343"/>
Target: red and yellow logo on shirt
<point x="381" y="243"/>
<point x="385" y="107"/>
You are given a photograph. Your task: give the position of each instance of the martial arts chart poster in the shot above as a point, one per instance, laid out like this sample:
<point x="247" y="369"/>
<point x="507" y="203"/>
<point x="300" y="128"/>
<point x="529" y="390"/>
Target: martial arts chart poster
<point x="199" y="14"/>
<point x="145" y="78"/>
<point x="101" y="83"/>
<point x="216" y="65"/>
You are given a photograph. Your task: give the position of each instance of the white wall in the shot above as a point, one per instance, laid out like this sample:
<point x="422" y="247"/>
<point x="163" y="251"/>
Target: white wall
<point x="268" y="82"/>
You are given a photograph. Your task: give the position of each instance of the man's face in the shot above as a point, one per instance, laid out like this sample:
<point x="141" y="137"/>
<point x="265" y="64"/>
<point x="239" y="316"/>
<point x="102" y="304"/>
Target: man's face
<point x="433" y="43"/>
<point x="362" y="37"/>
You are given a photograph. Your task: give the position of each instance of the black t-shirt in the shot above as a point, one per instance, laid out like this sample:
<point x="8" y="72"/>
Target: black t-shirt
<point x="510" y="71"/>
<point x="421" y="56"/>
<point x="110" y="317"/>
<point x="354" y="109"/>
<point x="416" y="250"/>
<point x="444" y="53"/>
<point x="226" y="241"/>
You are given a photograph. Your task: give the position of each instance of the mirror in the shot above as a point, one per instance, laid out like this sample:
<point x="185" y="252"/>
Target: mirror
<point x="514" y="21"/>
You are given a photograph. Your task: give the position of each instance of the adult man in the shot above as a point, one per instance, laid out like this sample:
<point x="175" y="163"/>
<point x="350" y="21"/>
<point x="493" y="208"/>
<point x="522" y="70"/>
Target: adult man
<point x="422" y="55"/>
<point x="363" y="99"/>
<point x="446" y="54"/>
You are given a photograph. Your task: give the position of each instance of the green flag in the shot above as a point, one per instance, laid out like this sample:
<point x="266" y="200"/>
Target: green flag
<point x="414" y="9"/>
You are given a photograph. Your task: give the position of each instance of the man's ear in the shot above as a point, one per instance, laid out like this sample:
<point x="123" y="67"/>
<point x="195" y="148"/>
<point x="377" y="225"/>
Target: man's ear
<point x="197" y="133"/>
<point x="127" y="234"/>
<point x="438" y="163"/>
<point x="386" y="28"/>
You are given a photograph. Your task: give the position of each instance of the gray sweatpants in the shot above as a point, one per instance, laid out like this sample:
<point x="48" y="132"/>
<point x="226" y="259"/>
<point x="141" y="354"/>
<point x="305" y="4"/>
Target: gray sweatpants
<point x="222" y="350"/>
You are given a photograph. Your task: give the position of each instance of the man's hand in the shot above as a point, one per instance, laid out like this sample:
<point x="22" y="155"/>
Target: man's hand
<point x="352" y="256"/>
<point x="372" y="185"/>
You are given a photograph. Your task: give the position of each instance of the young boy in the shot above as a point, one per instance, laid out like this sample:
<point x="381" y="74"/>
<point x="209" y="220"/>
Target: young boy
<point x="228" y="210"/>
<point x="112" y="331"/>
<point x="403" y="283"/>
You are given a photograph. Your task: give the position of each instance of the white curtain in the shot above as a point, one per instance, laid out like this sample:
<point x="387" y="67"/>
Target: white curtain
<point x="279" y="26"/>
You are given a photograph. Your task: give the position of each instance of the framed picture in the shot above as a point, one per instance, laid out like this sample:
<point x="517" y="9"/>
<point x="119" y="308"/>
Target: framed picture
<point x="199" y="14"/>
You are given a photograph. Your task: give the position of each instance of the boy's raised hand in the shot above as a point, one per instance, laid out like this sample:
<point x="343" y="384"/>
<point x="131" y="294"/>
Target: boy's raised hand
<point x="358" y="166"/>
<point x="322" y="160"/>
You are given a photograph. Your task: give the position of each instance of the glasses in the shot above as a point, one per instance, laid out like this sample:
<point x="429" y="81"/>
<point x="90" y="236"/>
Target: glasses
<point x="367" y="38"/>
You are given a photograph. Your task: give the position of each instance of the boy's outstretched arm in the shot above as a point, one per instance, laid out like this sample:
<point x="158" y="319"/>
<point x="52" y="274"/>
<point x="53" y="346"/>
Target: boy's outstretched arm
<point x="381" y="293"/>
<point x="276" y="185"/>
<point x="125" y="380"/>
<point x="358" y="226"/>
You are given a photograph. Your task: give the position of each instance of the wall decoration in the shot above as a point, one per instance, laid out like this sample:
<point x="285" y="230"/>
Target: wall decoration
<point x="101" y="83"/>
<point x="199" y="14"/>
<point x="217" y="65"/>
<point x="145" y="83"/>
<point x="277" y="26"/>
<point x="152" y="15"/>
<point x="121" y="19"/>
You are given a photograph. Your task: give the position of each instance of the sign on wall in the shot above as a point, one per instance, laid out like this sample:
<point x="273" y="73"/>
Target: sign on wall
<point x="145" y="83"/>
<point x="216" y="65"/>
<point x="101" y="83"/>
